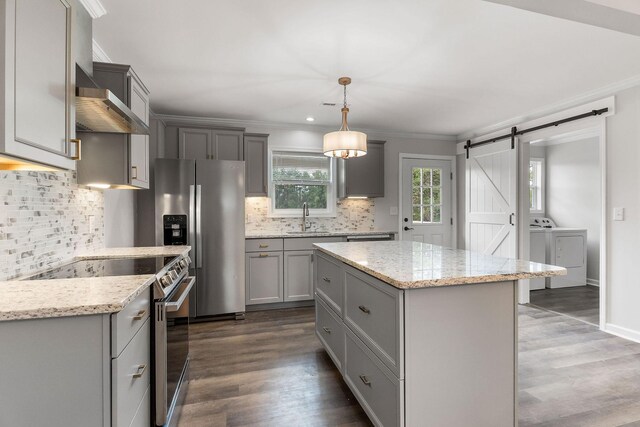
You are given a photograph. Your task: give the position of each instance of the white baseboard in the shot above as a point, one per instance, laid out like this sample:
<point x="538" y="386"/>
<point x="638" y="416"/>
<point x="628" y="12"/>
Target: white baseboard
<point x="593" y="282"/>
<point x="621" y="332"/>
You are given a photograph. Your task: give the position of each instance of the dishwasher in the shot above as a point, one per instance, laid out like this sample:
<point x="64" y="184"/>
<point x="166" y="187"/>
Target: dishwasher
<point x="371" y="237"/>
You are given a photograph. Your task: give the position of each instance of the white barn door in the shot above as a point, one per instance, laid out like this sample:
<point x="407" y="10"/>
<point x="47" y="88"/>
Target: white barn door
<point x="491" y="199"/>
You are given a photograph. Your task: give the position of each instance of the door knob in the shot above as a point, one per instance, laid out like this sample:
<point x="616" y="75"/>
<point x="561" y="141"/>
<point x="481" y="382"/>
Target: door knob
<point x="408" y="228"/>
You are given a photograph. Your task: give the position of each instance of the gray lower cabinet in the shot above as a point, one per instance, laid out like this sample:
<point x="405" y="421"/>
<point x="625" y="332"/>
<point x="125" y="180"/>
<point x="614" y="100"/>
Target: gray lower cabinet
<point x="255" y="157"/>
<point x="264" y="277"/>
<point x="37" y="117"/>
<point x="205" y="143"/>
<point x="91" y="370"/>
<point x="298" y="275"/>
<point x="121" y="160"/>
<point x="363" y="176"/>
<point x="439" y="356"/>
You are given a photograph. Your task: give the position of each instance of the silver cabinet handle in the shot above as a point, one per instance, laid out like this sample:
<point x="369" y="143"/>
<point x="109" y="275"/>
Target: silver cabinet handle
<point x="365" y="380"/>
<point x="140" y="371"/>
<point x="511" y="218"/>
<point x="134" y="172"/>
<point x="326" y="279"/>
<point x="140" y="315"/>
<point x="408" y="228"/>
<point x="364" y="309"/>
<point x="327" y="330"/>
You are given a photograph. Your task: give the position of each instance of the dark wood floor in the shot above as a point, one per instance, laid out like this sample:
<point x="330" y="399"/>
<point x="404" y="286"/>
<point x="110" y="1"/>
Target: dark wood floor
<point x="581" y="302"/>
<point x="270" y="370"/>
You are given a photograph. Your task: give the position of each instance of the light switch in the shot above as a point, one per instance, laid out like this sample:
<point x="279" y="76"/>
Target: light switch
<point x="393" y="210"/>
<point x="618" y="214"/>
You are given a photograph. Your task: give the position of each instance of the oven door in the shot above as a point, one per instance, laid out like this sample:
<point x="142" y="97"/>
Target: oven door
<point x="171" y="348"/>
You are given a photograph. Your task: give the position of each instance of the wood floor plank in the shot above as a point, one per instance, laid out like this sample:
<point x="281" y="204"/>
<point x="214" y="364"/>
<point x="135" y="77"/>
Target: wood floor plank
<point x="270" y="370"/>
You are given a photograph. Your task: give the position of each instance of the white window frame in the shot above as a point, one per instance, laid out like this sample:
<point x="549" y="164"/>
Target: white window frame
<point x="542" y="185"/>
<point x="329" y="212"/>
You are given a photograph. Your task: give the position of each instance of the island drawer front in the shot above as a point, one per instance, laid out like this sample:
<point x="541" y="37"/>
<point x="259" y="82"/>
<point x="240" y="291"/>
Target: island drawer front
<point x="330" y="331"/>
<point x="127" y="322"/>
<point x="379" y="392"/>
<point x="263" y="245"/>
<point x="130" y="378"/>
<point x="373" y="310"/>
<point x="306" y="243"/>
<point x="330" y="282"/>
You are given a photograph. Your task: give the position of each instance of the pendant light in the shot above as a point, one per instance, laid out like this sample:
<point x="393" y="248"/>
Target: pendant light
<point x="345" y="143"/>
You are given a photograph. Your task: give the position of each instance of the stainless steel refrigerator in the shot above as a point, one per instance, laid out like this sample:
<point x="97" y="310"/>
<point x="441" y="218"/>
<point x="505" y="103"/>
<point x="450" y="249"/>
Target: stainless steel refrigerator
<point x="204" y="200"/>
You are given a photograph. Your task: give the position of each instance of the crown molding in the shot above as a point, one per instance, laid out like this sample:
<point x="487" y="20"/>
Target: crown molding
<point x="94" y="7"/>
<point x="593" y="95"/>
<point x="99" y="54"/>
<point x="172" y="119"/>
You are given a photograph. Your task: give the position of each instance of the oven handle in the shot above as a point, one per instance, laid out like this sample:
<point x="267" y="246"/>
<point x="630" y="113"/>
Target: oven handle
<point x="175" y="306"/>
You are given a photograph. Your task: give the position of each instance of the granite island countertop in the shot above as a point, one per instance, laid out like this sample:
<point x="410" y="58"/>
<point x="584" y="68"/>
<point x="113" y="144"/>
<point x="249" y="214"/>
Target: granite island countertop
<point x="315" y="233"/>
<point x="412" y="265"/>
<point x="36" y="299"/>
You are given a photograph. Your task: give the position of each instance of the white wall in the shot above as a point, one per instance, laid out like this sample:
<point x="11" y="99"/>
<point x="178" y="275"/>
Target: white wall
<point x="573" y="191"/>
<point x="623" y="190"/>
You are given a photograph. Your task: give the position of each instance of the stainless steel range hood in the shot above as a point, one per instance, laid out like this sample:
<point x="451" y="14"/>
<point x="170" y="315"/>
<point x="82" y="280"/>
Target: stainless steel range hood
<point x="99" y="110"/>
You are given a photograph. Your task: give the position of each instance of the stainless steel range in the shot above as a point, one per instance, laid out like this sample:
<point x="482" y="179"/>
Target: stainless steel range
<point x="170" y="346"/>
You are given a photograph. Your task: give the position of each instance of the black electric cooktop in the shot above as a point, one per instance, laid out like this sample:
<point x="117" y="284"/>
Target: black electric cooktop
<point x="105" y="267"/>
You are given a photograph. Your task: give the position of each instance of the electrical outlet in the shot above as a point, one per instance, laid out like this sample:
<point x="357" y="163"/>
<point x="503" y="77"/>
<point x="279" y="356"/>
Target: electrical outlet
<point x="618" y="214"/>
<point x="393" y="210"/>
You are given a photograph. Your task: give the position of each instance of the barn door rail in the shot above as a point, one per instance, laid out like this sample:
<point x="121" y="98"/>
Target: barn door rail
<point x="515" y="132"/>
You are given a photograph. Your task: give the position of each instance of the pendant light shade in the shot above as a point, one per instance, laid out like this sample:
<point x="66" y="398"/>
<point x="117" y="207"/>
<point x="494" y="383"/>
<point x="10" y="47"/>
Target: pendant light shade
<point x="345" y="143"/>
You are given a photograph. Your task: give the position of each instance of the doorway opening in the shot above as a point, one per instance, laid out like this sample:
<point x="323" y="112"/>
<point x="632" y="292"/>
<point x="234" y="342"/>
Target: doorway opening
<point x="565" y="215"/>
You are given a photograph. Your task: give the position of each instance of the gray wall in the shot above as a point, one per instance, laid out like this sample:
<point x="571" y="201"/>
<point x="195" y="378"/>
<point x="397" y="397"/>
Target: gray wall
<point x="572" y="196"/>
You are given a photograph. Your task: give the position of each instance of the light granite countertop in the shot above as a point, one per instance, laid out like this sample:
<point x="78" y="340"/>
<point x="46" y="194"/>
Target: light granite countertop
<point x="411" y="265"/>
<point x="324" y="233"/>
<point x="34" y="299"/>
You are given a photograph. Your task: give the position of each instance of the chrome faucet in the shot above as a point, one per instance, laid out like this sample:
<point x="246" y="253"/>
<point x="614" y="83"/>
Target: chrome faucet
<point x="305" y="215"/>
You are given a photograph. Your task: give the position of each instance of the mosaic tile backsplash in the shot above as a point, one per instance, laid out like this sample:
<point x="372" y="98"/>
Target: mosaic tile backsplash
<point x="45" y="219"/>
<point x="351" y="215"/>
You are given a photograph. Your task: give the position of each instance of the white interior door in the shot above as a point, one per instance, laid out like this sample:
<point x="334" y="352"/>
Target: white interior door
<point x="426" y="201"/>
<point x="491" y="199"/>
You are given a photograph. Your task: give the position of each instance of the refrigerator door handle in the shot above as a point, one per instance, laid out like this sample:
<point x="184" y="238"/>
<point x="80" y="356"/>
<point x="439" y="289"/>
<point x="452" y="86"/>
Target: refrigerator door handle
<point x="198" y="226"/>
<point x="192" y="219"/>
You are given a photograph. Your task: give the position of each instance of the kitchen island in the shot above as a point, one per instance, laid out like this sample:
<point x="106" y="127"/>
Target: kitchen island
<point x="423" y="335"/>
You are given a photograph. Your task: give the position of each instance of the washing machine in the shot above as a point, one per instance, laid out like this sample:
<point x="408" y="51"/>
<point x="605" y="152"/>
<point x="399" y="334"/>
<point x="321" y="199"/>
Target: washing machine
<point x="563" y="246"/>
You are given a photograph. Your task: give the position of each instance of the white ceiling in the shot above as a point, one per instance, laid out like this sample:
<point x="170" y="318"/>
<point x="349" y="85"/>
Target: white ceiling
<point x="436" y="66"/>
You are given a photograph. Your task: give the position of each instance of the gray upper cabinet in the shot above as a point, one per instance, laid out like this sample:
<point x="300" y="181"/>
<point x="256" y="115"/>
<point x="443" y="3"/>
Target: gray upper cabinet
<point x="39" y="83"/>
<point x="217" y="144"/>
<point x="121" y="160"/>
<point x="194" y="143"/>
<point x="363" y="176"/>
<point x="255" y="157"/>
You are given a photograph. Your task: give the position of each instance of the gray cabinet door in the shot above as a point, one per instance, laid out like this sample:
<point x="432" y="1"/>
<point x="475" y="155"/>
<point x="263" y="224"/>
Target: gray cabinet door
<point x="255" y="157"/>
<point x="227" y="144"/>
<point x="298" y="275"/>
<point x="139" y="144"/>
<point x="38" y="119"/>
<point x="264" y="277"/>
<point x="194" y="143"/>
<point x="363" y="176"/>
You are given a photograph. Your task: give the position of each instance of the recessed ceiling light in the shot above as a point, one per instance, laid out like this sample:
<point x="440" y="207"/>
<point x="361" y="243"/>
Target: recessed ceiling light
<point x="310" y="119"/>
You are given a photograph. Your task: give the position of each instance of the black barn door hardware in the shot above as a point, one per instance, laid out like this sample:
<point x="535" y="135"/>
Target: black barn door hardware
<point x="515" y="132"/>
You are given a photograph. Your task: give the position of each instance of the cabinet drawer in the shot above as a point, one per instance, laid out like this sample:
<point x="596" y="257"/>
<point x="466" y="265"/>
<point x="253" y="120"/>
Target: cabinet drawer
<point x="306" y="243"/>
<point x="330" y="331"/>
<point x="126" y="323"/>
<point x="373" y="311"/>
<point x="142" y="417"/>
<point x="330" y="282"/>
<point x="130" y="373"/>
<point x="263" y="245"/>
<point x="379" y="392"/>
